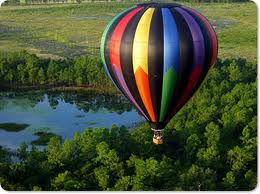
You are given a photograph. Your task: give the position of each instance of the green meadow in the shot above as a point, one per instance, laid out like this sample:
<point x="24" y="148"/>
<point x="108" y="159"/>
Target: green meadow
<point x="70" y="30"/>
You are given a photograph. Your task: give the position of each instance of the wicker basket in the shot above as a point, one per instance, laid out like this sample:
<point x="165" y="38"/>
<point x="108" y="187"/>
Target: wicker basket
<point x="157" y="141"/>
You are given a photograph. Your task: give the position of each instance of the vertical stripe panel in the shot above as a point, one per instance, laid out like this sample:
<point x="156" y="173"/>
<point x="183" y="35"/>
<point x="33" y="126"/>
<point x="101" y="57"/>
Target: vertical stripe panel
<point x="155" y="60"/>
<point x="186" y="60"/>
<point x="106" y="44"/>
<point x="171" y="42"/>
<point x="103" y="38"/>
<point x="140" y="47"/>
<point x="126" y="52"/>
<point x="115" y="54"/>
<point x="212" y="35"/>
<point x="198" y="58"/>
<point x="197" y="37"/>
<point x="140" y="60"/>
<point x="208" y="43"/>
<point x="171" y="60"/>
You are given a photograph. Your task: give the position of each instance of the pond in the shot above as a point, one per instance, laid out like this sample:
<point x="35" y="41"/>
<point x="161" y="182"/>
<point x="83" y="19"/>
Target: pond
<point x="23" y="115"/>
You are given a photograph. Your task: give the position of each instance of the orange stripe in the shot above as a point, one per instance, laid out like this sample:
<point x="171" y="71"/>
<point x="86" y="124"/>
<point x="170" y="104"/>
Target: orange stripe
<point x="142" y="83"/>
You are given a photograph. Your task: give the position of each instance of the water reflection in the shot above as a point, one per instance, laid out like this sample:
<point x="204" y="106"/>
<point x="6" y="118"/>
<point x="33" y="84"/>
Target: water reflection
<point x="62" y="113"/>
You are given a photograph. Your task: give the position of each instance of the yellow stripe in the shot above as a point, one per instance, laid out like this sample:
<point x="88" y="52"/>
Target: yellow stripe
<point x="140" y="46"/>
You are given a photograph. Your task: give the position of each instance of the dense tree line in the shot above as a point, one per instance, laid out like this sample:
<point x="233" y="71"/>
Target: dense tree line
<point x="209" y="145"/>
<point x="22" y="68"/>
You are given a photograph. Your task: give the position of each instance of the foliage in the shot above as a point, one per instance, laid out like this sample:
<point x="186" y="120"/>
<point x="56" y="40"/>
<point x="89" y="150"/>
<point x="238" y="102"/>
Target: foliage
<point x="43" y="138"/>
<point x="13" y="127"/>
<point x="22" y="68"/>
<point x="209" y="145"/>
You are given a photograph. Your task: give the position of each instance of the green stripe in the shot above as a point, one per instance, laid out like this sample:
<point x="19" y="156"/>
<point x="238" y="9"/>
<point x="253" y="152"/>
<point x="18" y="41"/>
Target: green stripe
<point x="102" y="44"/>
<point x="169" y="82"/>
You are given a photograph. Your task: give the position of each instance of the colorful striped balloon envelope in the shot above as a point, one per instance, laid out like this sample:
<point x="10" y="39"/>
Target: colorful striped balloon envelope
<point x="157" y="55"/>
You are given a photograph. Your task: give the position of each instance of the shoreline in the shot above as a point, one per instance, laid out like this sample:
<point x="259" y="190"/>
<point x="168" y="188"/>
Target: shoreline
<point x="60" y="88"/>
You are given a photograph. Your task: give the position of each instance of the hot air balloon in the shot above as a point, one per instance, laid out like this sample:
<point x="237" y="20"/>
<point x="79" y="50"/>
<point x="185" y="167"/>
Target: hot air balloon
<point x="157" y="55"/>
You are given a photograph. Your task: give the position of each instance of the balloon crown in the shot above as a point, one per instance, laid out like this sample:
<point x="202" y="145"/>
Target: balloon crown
<point x="160" y="5"/>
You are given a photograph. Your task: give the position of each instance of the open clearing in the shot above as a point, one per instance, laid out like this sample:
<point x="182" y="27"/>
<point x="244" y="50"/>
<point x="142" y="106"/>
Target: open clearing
<point x="70" y="30"/>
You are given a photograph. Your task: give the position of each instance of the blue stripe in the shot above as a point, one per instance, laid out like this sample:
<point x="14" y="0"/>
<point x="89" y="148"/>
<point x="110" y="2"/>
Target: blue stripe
<point x="171" y="42"/>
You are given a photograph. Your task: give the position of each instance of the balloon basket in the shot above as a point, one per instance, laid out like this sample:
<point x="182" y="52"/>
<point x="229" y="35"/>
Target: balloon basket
<point x="157" y="137"/>
<point x="157" y="141"/>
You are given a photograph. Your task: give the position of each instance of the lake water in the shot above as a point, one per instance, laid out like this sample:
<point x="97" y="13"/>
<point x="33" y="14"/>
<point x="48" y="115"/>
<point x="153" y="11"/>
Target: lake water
<point x="61" y="113"/>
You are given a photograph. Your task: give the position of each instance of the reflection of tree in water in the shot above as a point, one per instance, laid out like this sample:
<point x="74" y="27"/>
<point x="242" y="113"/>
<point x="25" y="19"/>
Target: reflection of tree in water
<point x="3" y="102"/>
<point x="24" y="100"/>
<point x="85" y="101"/>
<point x="53" y="101"/>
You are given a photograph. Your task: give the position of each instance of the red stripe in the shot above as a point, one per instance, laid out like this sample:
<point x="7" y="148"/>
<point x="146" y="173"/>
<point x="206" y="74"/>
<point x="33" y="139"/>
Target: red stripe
<point x="117" y="37"/>
<point x="114" y="52"/>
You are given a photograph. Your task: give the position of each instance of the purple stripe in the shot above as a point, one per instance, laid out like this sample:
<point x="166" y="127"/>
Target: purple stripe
<point x="119" y="76"/>
<point x="197" y="37"/>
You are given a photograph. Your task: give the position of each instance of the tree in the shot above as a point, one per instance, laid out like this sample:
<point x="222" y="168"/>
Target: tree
<point x="197" y="178"/>
<point x="229" y="181"/>
<point x="22" y="73"/>
<point x="41" y="76"/>
<point x="146" y="173"/>
<point x="9" y="77"/>
<point x="54" y="155"/>
<point x="65" y="182"/>
<point x="32" y="64"/>
<point x="22" y="152"/>
<point x="239" y="158"/>
<point x="111" y="168"/>
<point x="123" y="184"/>
<point x="192" y="145"/>
<point x="53" y="72"/>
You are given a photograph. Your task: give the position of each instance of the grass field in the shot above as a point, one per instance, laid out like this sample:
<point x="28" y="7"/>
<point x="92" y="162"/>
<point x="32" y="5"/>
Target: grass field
<point x="71" y="30"/>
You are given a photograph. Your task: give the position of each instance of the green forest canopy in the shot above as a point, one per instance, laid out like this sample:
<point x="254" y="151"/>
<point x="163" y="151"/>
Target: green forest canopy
<point x="24" y="69"/>
<point x="209" y="145"/>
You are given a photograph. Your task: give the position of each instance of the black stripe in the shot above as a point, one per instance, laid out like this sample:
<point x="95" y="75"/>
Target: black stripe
<point x="186" y="60"/>
<point x="107" y="48"/>
<point x="207" y="44"/>
<point x="208" y="50"/>
<point x="155" y="61"/>
<point x="126" y="53"/>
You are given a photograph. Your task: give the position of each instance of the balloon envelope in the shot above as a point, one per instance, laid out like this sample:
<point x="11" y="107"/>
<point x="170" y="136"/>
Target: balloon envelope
<point x="157" y="55"/>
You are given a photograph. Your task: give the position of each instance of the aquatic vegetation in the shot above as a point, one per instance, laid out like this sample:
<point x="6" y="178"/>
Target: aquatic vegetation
<point x="44" y="137"/>
<point x="13" y="127"/>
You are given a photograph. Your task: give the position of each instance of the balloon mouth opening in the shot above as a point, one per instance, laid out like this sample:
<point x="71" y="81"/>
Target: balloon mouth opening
<point x="158" y="125"/>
